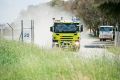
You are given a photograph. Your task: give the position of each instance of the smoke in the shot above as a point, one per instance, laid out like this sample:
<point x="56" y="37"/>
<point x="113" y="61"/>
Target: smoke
<point x="42" y="14"/>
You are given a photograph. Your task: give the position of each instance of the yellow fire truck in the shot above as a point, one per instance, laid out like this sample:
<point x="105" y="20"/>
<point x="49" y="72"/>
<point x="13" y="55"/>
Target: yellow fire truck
<point x="66" y="34"/>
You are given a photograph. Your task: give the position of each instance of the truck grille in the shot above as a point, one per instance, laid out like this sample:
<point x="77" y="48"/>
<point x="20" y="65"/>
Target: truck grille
<point x="66" y="40"/>
<point x="66" y="37"/>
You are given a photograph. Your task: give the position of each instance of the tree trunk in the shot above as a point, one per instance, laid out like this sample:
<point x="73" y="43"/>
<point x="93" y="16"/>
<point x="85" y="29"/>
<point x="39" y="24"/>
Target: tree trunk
<point x="94" y="32"/>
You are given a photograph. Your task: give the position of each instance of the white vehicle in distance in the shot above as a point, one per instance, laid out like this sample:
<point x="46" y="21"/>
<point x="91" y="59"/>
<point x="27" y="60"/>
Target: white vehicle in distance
<point x="106" y="33"/>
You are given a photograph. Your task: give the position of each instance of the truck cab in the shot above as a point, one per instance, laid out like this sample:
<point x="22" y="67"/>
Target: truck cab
<point x="106" y="33"/>
<point x="66" y="34"/>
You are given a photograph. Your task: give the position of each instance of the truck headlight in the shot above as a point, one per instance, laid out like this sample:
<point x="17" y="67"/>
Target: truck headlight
<point x="77" y="43"/>
<point x="55" y="43"/>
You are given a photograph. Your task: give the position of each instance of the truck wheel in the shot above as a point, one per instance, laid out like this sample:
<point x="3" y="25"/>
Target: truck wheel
<point x="100" y="39"/>
<point x="112" y="39"/>
<point x="103" y="39"/>
<point x="53" y="45"/>
<point x="76" y="49"/>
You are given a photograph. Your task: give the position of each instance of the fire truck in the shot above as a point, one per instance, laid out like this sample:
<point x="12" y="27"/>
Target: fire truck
<point x="66" y="34"/>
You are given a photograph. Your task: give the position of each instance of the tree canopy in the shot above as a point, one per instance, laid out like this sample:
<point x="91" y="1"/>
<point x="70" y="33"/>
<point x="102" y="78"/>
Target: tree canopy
<point x="110" y="8"/>
<point x="94" y="12"/>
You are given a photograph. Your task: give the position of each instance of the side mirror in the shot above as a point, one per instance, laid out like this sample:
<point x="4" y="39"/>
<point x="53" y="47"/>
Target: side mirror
<point x="51" y="29"/>
<point x="81" y="28"/>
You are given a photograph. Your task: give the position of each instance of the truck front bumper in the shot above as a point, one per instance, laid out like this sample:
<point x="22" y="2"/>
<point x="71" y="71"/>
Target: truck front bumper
<point x="67" y="44"/>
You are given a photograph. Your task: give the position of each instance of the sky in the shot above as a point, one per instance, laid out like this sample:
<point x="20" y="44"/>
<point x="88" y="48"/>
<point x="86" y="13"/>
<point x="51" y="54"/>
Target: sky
<point x="10" y="9"/>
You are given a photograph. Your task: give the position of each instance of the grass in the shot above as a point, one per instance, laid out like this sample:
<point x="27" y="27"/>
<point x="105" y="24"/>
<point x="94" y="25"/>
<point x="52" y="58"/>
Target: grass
<point x="115" y="50"/>
<point x="20" y="61"/>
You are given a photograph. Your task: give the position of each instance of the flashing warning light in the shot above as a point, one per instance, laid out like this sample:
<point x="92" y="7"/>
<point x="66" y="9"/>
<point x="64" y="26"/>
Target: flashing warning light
<point x="74" y="19"/>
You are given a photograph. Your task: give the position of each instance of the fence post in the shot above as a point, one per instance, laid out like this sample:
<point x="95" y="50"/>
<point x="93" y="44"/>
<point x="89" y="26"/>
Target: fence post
<point x="22" y="30"/>
<point x="1" y="30"/>
<point x="1" y="36"/>
<point x="32" y="31"/>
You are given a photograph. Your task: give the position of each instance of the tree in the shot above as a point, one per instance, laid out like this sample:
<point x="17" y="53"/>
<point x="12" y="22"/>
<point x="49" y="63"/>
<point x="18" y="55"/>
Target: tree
<point x="86" y="10"/>
<point x="110" y="8"/>
<point x="57" y="2"/>
<point x="97" y="12"/>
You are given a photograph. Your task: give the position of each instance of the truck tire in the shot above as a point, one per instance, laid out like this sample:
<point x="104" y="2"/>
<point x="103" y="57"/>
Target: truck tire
<point x="112" y="39"/>
<point x="76" y="48"/>
<point x="53" y="45"/>
<point x="104" y="39"/>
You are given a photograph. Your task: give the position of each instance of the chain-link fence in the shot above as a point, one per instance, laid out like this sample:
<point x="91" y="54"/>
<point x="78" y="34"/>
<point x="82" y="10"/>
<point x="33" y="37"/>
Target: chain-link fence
<point x="20" y="30"/>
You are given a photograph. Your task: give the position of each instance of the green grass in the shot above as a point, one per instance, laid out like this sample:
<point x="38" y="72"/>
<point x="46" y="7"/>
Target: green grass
<point x="20" y="61"/>
<point x="115" y="50"/>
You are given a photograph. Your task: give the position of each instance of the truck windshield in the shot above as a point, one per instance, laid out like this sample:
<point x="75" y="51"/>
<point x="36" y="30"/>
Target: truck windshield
<point x="106" y="29"/>
<point x="66" y="27"/>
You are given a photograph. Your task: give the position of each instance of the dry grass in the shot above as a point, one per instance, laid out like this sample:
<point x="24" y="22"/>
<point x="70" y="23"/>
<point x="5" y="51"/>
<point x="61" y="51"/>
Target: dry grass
<point x="20" y="61"/>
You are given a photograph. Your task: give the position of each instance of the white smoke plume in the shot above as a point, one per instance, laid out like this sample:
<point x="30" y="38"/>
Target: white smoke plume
<point x="42" y="14"/>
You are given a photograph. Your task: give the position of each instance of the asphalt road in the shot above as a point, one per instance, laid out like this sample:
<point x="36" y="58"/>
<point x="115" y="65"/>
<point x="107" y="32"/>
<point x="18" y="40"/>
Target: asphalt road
<point x="93" y="47"/>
